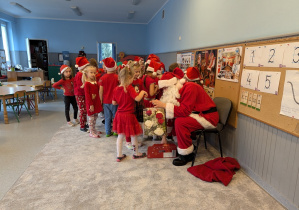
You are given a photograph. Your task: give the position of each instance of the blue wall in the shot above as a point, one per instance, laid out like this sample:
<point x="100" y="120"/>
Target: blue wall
<point x="202" y="23"/>
<point x="72" y="35"/>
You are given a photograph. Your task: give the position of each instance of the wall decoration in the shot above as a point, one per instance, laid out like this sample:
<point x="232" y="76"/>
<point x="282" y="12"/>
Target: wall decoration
<point x="228" y="63"/>
<point x="205" y="60"/>
<point x="269" y="82"/>
<point x="252" y="56"/>
<point x="250" y="79"/>
<point x="272" y="55"/>
<point x="291" y="55"/>
<point x="185" y="60"/>
<point x="290" y="98"/>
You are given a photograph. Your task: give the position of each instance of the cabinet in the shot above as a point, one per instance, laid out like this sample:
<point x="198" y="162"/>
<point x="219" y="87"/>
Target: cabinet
<point x="37" y="53"/>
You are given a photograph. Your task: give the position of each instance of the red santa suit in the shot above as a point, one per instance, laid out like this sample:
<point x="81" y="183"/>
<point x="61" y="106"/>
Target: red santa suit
<point x="196" y="110"/>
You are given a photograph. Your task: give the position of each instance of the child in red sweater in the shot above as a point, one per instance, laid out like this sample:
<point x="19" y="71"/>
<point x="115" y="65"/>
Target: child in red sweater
<point x="107" y="84"/>
<point x="125" y="122"/>
<point x="92" y="98"/>
<point x="81" y="63"/>
<point x="66" y="84"/>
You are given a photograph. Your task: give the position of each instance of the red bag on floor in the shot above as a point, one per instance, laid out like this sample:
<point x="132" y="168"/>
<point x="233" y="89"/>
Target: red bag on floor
<point x="217" y="170"/>
<point x="162" y="151"/>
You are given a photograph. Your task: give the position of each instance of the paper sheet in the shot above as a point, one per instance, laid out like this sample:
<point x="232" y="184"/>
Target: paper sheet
<point x="269" y="82"/>
<point x="291" y="55"/>
<point x="290" y="98"/>
<point x="250" y="99"/>
<point x="244" y="97"/>
<point x="254" y="99"/>
<point x="258" y="102"/>
<point x="252" y="56"/>
<point x="250" y="79"/>
<point x="272" y="55"/>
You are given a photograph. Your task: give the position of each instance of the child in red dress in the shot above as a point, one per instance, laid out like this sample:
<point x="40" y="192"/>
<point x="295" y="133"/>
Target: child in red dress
<point x="92" y="98"/>
<point x="66" y="84"/>
<point x="125" y="122"/>
<point x="81" y="63"/>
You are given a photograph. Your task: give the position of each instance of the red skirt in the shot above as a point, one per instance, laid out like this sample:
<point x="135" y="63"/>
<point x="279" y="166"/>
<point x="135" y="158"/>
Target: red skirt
<point x="126" y="123"/>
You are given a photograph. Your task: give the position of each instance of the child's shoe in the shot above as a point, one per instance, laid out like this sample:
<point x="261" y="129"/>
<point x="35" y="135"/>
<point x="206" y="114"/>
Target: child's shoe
<point x="86" y="126"/>
<point x="142" y="155"/>
<point x="110" y="134"/>
<point x="129" y="146"/>
<point x="70" y="124"/>
<point x="94" y="135"/>
<point x="84" y="129"/>
<point x="114" y="134"/>
<point x="118" y="159"/>
<point x="76" y="122"/>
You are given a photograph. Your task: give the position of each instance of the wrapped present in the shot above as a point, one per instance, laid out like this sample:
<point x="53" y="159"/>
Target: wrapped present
<point x="162" y="151"/>
<point x="154" y="121"/>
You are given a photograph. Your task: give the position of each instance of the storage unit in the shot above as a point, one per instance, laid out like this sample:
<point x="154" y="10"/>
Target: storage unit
<point x="37" y="53"/>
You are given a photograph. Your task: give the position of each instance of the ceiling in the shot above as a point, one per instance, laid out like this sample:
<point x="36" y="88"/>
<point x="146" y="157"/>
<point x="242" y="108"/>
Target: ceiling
<point x="92" y="10"/>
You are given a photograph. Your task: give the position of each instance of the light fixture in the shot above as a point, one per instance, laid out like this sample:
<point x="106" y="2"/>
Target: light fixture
<point x="76" y="10"/>
<point x="131" y="14"/>
<point x="20" y="6"/>
<point x="135" y="2"/>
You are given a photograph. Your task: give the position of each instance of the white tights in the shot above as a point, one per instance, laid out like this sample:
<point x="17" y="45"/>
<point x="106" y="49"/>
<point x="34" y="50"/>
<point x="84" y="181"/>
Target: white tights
<point x="119" y="144"/>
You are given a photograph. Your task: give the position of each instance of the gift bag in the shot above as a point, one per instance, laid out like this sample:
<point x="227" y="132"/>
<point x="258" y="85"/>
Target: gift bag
<point x="154" y="121"/>
<point x="162" y="151"/>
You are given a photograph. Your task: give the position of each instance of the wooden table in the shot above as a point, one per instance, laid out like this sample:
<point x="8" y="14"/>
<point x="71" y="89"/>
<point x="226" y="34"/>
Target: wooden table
<point x="16" y="74"/>
<point x="8" y="92"/>
<point x="25" y="83"/>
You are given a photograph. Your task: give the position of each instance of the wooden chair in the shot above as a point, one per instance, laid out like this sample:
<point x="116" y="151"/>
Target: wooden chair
<point x="46" y="90"/>
<point x="17" y="103"/>
<point x="224" y="108"/>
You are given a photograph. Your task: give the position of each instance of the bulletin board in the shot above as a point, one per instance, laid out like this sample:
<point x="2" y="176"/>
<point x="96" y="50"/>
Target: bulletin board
<point x="270" y="75"/>
<point x="229" y="89"/>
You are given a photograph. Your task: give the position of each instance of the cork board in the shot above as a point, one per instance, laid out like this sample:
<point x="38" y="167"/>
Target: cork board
<point x="271" y="103"/>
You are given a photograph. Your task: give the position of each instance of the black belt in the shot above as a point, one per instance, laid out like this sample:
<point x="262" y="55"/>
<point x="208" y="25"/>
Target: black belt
<point x="213" y="109"/>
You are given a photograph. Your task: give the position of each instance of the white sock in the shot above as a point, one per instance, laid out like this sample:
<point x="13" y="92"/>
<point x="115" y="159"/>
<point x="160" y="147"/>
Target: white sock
<point x="119" y="144"/>
<point x="134" y="141"/>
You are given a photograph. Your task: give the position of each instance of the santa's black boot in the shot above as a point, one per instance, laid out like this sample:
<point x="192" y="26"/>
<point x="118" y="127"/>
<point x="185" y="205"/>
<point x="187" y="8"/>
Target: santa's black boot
<point x="183" y="159"/>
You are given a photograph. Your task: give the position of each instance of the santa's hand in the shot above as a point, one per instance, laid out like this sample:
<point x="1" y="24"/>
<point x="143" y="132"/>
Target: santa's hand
<point x="158" y="104"/>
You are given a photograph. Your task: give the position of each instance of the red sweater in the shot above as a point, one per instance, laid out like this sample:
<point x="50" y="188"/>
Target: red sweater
<point x="109" y="82"/>
<point x="68" y="86"/>
<point x="77" y="84"/>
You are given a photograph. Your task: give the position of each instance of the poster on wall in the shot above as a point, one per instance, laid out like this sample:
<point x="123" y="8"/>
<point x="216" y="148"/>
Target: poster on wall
<point x="228" y="63"/>
<point x="290" y="97"/>
<point x="185" y="60"/>
<point x="206" y="62"/>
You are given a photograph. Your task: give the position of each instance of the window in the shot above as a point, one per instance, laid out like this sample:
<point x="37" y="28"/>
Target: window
<point x="5" y="43"/>
<point x="106" y="50"/>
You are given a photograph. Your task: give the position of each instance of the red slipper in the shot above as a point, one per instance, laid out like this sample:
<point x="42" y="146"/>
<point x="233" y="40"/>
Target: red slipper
<point x="118" y="159"/>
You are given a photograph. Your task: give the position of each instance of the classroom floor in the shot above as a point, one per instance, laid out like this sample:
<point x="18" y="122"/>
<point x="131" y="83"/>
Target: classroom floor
<point x="21" y="142"/>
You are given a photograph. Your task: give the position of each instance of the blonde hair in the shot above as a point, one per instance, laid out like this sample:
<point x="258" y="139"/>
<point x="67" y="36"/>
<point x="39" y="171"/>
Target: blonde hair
<point x="84" y="76"/>
<point x="124" y="77"/>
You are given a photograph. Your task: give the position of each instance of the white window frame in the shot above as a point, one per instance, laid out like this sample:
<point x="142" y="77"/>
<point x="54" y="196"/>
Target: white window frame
<point x="5" y="43"/>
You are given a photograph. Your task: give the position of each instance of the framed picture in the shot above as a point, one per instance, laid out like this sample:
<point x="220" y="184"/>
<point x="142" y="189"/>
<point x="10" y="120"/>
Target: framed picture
<point x="60" y="57"/>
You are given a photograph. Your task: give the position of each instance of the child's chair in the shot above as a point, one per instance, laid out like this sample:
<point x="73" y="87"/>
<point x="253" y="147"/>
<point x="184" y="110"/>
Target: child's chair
<point x="46" y="90"/>
<point x="17" y="103"/>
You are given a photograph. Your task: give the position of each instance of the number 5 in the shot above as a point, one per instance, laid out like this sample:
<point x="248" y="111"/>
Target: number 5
<point x="267" y="80"/>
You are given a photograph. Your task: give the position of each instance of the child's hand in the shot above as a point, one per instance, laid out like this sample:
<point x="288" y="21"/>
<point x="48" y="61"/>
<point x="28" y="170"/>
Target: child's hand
<point x="63" y="90"/>
<point x="145" y="94"/>
<point x="91" y="108"/>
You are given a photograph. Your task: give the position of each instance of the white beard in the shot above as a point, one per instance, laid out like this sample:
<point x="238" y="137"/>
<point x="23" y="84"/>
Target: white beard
<point x="170" y="95"/>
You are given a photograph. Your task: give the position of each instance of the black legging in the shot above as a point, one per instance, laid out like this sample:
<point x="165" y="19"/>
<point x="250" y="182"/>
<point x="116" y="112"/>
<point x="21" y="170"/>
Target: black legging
<point x="67" y="101"/>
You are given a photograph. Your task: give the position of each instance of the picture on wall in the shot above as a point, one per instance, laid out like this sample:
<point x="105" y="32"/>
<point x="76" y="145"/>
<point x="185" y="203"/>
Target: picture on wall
<point x="205" y="60"/>
<point x="185" y="60"/>
<point x="228" y="63"/>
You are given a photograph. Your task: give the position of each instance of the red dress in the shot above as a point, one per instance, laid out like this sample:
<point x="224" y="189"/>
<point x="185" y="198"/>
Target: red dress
<point x="125" y="121"/>
<point x="92" y="98"/>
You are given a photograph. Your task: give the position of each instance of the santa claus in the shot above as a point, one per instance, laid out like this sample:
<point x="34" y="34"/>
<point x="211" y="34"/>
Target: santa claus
<point x="192" y="109"/>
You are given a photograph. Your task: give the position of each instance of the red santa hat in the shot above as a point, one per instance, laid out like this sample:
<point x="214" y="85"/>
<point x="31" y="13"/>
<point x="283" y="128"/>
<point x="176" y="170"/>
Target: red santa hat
<point x="63" y="68"/>
<point x="168" y="79"/>
<point x="192" y="74"/>
<point x="153" y="57"/>
<point x="179" y="72"/>
<point x="152" y="67"/>
<point x="110" y="64"/>
<point x="159" y="68"/>
<point x="81" y="63"/>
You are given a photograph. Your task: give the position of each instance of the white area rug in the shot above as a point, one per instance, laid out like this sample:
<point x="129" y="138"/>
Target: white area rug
<point x="75" y="171"/>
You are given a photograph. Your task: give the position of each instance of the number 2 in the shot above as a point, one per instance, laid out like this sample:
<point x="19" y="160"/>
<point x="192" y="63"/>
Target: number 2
<point x="271" y="61"/>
